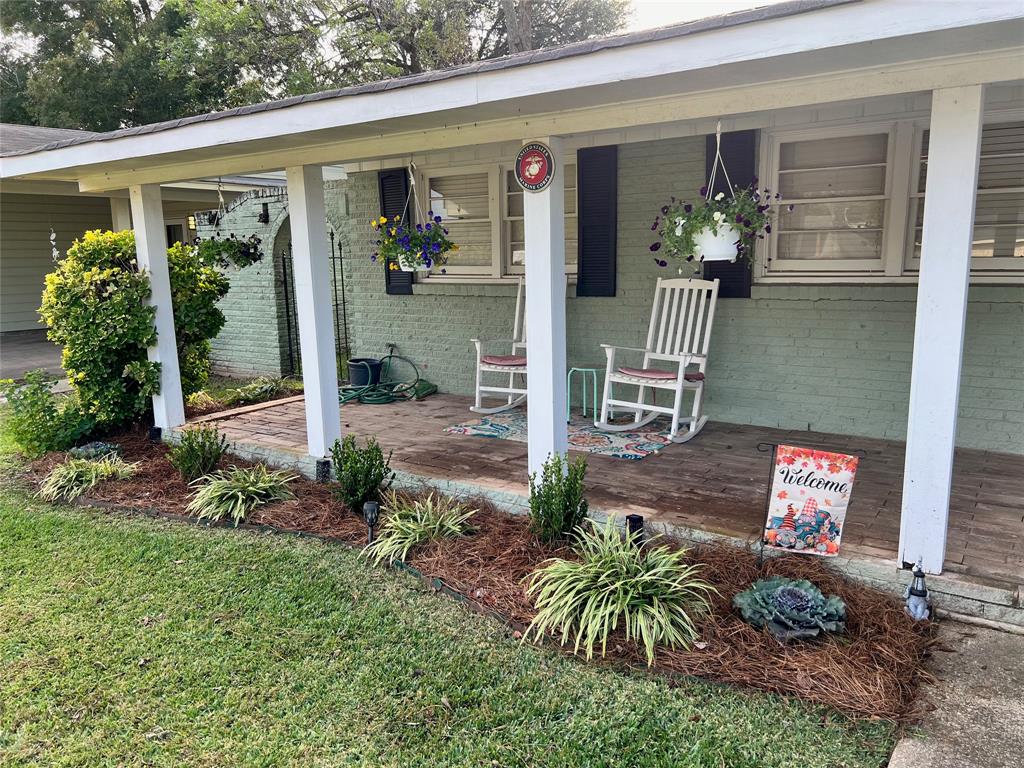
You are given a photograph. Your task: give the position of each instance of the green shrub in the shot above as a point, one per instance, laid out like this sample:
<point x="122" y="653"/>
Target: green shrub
<point x="74" y="477"/>
<point x="409" y="522"/>
<point x="790" y="608"/>
<point x="198" y="452"/>
<point x="95" y="305"/>
<point x="39" y="420"/>
<point x="649" y="591"/>
<point x="557" y="504"/>
<point x="363" y="474"/>
<point x="235" y="493"/>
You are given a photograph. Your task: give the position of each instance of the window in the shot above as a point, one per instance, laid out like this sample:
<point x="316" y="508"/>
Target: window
<point x="463" y="203"/>
<point x="487" y="221"/>
<point x="838" y="188"/>
<point x="999" y="206"/>
<point x="514" y="232"/>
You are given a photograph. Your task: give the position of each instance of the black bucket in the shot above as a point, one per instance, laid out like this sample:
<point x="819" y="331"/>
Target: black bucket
<point x="364" y="371"/>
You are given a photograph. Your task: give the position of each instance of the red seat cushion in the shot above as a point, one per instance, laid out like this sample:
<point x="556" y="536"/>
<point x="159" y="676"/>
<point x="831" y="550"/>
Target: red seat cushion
<point x="657" y="373"/>
<point x="511" y="361"/>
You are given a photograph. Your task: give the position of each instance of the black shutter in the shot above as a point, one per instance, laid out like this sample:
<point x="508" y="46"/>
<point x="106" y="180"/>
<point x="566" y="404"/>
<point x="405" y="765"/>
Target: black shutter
<point x="394" y="192"/>
<point x="739" y="151"/>
<point x="597" y="182"/>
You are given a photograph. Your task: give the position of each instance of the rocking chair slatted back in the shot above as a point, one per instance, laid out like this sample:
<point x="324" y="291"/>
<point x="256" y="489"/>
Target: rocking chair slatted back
<point x="681" y="317"/>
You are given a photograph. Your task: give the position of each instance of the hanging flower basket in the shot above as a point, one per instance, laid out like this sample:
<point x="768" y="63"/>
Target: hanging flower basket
<point x="719" y="227"/>
<point x="717" y="246"/>
<point x="412" y="248"/>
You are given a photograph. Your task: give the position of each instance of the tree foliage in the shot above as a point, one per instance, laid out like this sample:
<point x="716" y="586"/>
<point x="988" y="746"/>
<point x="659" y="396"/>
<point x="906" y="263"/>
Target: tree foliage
<point x="104" y="64"/>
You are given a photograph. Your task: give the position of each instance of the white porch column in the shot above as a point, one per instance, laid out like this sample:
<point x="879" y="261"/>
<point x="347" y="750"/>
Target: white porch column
<point x="544" y="214"/>
<point x="120" y="213"/>
<point x="310" y="251"/>
<point x="953" y="150"/>
<point x="151" y="252"/>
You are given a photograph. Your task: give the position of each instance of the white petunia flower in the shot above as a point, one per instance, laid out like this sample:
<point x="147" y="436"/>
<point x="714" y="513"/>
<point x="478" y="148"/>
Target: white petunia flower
<point x="717" y="216"/>
<point x="720" y="196"/>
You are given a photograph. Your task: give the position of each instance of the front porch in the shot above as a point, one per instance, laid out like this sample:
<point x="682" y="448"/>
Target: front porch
<point x="712" y="487"/>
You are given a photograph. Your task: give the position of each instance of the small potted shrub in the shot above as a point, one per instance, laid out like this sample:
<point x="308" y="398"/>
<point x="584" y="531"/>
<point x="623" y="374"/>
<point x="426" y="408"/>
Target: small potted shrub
<point x="724" y="227"/>
<point x="363" y="474"/>
<point x="412" y="248"/>
<point x="557" y="501"/>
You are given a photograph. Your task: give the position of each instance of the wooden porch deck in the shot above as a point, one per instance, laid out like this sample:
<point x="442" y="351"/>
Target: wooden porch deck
<point x="715" y="483"/>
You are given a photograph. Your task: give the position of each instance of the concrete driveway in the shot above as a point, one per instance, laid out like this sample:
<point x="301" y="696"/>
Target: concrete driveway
<point x="22" y="351"/>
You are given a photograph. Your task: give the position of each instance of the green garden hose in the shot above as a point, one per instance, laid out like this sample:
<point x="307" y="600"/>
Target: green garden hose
<point x="385" y="390"/>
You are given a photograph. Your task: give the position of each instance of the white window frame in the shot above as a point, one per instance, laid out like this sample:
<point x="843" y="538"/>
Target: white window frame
<point x="514" y="271"/>
<point x="500" y="269"/>
<point x="899" y="267"/>
<point x="980" y="265"/>
<point x="788" y="269"/>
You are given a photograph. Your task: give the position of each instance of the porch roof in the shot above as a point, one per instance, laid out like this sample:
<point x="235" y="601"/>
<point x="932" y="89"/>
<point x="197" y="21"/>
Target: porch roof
<point x="797" y="53"/>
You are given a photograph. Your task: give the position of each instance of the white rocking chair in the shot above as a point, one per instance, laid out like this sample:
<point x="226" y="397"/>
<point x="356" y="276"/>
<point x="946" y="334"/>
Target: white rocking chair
<point x="679" y="336"/>
<point x="512" y="365"/>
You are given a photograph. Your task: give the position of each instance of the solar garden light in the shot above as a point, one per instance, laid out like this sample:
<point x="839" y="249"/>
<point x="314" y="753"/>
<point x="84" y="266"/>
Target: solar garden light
<point x="371" y="510"/>
<point x="635" y="528"/>
<point x="917" y="597"/>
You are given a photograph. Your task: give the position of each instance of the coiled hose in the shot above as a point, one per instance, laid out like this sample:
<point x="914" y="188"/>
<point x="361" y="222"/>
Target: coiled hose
<point x="385" y="390"/>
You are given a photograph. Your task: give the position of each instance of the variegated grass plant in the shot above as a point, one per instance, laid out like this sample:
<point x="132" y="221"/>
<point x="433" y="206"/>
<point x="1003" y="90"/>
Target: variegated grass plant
<point x="408" y="522"/>
<point x="74" y="477"/>
<point x="236" y="492"/>
<point x="648" y="591"/>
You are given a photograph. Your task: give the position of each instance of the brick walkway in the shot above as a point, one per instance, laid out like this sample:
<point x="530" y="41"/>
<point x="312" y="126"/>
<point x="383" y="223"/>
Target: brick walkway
<point x="716" y="483"/>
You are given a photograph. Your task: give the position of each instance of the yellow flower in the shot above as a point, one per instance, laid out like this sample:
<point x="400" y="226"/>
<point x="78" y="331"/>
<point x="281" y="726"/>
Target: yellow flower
<point x="374" y="224"/>
<point x="392" y="266"/>
<point x="392" y="231"/>
<point x="397" y="218"/>
<point x="455" y="247"/>
<point x="383" y="219"/>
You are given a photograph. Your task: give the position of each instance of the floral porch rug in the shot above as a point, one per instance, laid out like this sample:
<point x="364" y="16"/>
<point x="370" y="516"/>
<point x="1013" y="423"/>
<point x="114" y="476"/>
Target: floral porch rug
<point x="583" y="435"/>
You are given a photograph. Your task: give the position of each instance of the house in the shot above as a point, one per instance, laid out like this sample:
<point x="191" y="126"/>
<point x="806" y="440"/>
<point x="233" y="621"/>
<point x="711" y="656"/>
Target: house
<point x="888" y="304"/>
<point x="31" y="209"/>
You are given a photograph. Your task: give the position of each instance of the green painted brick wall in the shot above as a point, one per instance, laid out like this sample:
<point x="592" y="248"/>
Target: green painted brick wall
<point x="829" y="358"/>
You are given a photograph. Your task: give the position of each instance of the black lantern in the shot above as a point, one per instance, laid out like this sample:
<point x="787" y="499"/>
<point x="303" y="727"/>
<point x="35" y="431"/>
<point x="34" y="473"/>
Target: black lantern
<point x="371" y="510"/>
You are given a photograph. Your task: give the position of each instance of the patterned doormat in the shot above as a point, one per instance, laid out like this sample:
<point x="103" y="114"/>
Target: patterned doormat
<point x="583" y="435"/>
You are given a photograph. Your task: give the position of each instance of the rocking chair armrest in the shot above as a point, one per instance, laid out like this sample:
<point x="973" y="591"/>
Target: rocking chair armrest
<point x="623" y="349"/>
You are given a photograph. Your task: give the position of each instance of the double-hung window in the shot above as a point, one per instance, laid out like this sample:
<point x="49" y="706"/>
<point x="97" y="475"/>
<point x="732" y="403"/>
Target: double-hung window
<point x="482" y="208"/>
<point x="838" y="187"/>
<point x="998" y="242"/>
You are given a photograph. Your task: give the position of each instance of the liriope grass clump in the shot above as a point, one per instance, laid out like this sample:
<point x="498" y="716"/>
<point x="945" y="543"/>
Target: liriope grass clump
<point x="236" y="492"/>
<point x="408" y="522"/>
<point x="68" y="481"/>
<point x="648" y="591"/>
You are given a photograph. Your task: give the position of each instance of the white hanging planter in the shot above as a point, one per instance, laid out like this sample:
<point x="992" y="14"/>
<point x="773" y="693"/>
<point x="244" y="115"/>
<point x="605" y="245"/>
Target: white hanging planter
<point x="408" y="266"/>
<point x="717" y="247"/>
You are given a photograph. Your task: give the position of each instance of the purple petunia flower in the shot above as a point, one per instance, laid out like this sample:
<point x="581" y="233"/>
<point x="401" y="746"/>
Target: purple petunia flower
<point x="436" y="247"/>
<point x="444" y="271"/>
<point x="746" y="222"/>
<point x="427" y="262"/>
<point x="655" y="247"/>
<point x="430" y="226"/>
<point x="664" y="210"/>
<point x="445" y="230"/>
<point x="419" y="227"/>
<point x="661" y="262"/>
<point x="430" y="214"/>
<point x="374" y="257"/>
<point x="437" y="219"/>
<point x="687" y="208"/>
<point x="739" y="218"/>
<point x="768" y="228"/>
<point x="703" y="190"/>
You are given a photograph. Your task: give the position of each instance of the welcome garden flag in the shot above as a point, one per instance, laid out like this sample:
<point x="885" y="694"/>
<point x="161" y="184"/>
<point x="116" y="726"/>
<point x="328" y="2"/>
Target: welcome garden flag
<point x="807" y="501"/>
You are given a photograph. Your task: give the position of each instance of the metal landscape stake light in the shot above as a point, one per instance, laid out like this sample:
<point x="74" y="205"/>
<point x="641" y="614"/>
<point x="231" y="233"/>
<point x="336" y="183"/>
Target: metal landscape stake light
<point x="371" y="510"/>
<point x="635" y="528"/>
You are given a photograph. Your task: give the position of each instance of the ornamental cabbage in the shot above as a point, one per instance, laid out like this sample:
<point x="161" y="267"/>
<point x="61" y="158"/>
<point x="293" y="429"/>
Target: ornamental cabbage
<point x="790" y="608"/>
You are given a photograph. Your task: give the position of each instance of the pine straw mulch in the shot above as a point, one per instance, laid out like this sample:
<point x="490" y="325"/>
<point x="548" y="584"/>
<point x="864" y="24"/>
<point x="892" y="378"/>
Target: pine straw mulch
<point x="871" y="671"/>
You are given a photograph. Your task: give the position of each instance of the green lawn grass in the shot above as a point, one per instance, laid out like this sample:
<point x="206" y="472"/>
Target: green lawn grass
<point x="127" y="641"/>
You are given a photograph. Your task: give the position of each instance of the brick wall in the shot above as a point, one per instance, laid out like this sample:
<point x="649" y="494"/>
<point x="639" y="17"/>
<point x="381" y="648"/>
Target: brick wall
<point x="251" y="343"/>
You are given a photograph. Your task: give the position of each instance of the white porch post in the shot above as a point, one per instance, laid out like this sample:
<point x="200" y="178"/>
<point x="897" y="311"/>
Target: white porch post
<point x="120" y="213"/>
<point x="151" y="252"/>
<point x="310" y="251"/>
<point x="544" y="214"/>
<point x="953" y="151"/>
